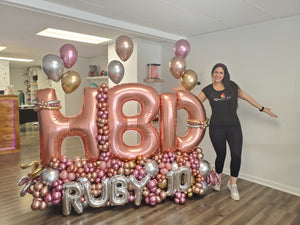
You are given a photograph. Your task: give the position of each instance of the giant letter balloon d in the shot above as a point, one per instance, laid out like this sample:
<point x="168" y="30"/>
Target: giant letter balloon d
<point x="53" y="67"/>
<point x="124" y="47"/>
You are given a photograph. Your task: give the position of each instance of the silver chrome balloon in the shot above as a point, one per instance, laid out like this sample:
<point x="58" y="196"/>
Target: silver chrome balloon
<point x="151" y="167"/>
<point x="204" y="168"/>
<point x="53" y="67"/>
<point x="115" y="71"/>
<point x="49" y="175"/>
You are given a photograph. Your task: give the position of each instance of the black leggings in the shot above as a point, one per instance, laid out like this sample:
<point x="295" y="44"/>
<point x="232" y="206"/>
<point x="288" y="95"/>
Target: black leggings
<point x="234" y="137"/>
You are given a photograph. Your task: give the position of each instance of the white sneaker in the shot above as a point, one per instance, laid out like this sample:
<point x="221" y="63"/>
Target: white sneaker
<point x="216" y="187"/>
<point x="234" y="191"/>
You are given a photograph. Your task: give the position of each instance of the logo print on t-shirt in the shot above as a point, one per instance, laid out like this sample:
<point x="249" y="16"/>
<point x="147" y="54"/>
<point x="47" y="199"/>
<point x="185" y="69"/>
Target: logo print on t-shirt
<point x="222" y="97"/>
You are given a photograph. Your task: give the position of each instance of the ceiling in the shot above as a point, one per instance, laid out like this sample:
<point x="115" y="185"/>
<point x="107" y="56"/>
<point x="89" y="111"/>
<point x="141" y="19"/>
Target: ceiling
<point x="161" y="20"/>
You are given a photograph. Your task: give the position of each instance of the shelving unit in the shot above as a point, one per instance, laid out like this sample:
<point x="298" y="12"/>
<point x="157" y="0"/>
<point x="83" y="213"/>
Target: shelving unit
<point x="153" y="80"/>
<point x="27" y="92"/>
<point x="98" y="80"/>
<point x="31" y="85"/>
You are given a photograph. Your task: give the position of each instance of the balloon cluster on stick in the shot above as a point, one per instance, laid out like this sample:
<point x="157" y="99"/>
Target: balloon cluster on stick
<point x="177" y="65"/>
<point x="124" y="49"/>
<point x="53" y="67"/>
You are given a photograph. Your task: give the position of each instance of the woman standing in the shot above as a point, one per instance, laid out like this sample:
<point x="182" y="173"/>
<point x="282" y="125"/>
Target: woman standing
<point x="224" y="125"/>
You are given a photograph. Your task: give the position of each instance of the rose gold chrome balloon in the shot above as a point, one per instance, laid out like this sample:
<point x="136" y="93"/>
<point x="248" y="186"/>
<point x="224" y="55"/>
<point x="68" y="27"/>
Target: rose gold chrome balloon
<point x="124" y="47"/>
<point x="177" y="66"/>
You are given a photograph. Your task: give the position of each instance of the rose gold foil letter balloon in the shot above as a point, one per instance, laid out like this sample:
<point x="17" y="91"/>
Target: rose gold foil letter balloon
<point x="148" y="99"/>
<point x="168" y="122"/>
<point x="170" y="103"/>
<point x="54" y="127"/>
<point x="195" y="110"/>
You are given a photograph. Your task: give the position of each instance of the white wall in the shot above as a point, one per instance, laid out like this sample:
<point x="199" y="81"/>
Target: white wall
<point x="73" y="101"/>
<point x="264" y="60"/>
<point x="149" y="52"/>
<point x="4" y="76"/>
<point x="17" y="79"/>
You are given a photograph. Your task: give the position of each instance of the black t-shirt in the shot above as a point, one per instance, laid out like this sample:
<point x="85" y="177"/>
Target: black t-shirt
<point x="223" y="113"/>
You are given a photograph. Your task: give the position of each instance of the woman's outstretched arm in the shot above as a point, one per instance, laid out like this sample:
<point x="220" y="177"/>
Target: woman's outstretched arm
<point x="243" y="95"/>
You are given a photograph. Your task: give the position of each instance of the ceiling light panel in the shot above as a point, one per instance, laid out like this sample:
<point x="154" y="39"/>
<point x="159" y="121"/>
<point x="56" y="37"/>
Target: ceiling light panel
<point x="16" y="59"/>
<point x="67" y="35"/>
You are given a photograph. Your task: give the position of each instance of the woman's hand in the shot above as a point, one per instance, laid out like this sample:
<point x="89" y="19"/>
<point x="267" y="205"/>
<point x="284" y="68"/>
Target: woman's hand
<point x="178" y="88"/>
<point x="268" y="111"/>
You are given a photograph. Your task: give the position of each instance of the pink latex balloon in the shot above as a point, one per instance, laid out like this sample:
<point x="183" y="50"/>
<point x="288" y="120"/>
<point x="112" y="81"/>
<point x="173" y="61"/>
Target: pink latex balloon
<point x="119" y="123"/>
<point x="69" y="55"/>
<point x="124" y="47"/>
<point x="54" y="126"/>
<point x="177" y="66"/>
<point x="196" y="111"/>
<point x="182" y="48"/>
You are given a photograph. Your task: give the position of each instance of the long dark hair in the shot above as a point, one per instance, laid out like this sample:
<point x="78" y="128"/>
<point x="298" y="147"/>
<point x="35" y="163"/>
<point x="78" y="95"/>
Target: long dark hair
<point x="229" y="84"/>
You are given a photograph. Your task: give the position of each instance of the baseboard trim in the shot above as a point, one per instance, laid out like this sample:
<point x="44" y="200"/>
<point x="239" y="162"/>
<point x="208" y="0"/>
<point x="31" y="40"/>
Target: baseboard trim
<point x="268" y="183"/>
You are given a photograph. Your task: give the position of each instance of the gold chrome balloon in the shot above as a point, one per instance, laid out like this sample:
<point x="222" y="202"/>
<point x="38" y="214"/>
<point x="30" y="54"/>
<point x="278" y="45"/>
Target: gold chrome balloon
<point x="70" y="81"/>
<point x="189" y="79"/>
